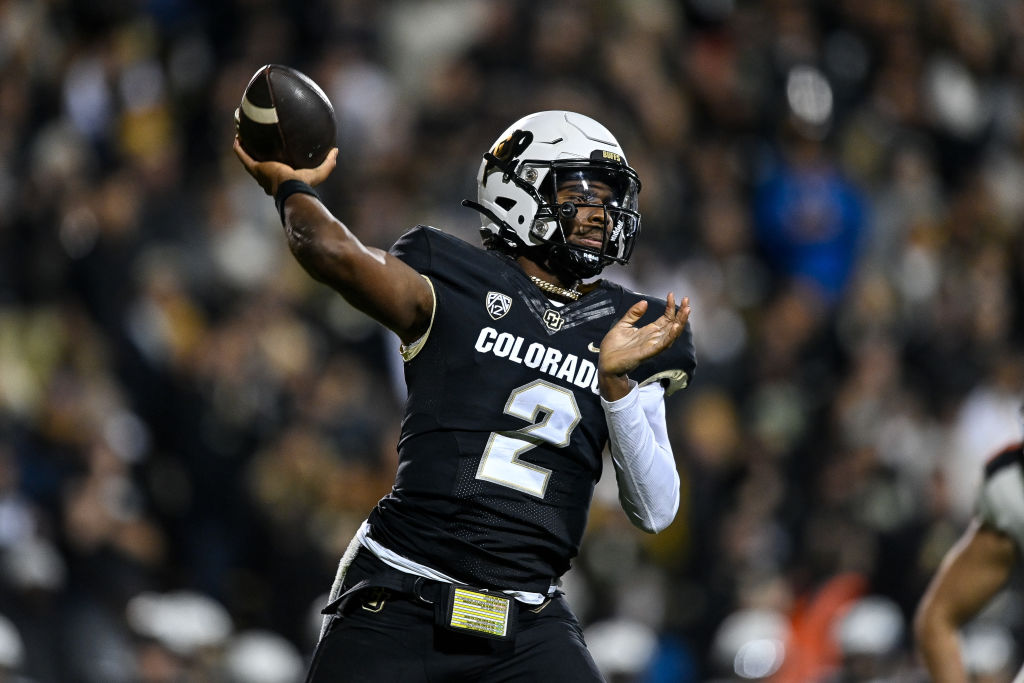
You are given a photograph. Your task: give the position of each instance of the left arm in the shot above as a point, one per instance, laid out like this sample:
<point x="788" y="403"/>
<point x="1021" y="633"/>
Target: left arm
<point x="645" y="467"/>
<point x="643" y="460"/>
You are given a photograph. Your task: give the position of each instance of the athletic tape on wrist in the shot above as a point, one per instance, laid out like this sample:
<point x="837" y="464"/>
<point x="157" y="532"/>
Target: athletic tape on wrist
<point x="287" y="189"/>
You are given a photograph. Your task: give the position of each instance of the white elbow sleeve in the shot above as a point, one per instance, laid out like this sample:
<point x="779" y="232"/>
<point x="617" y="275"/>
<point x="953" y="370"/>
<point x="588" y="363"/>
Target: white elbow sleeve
<point x="642" y="456"/>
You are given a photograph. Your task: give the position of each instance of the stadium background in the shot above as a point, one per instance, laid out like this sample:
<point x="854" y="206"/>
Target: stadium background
<point x="191" y="429"/>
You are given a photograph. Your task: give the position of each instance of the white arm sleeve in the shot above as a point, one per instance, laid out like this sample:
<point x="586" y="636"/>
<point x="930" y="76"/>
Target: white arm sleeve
<point x="645" y="467"/>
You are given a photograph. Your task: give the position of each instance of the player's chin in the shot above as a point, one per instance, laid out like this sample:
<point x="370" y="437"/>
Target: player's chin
<point x="590" y="243"/>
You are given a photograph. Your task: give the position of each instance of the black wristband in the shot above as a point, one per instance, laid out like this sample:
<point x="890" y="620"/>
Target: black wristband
<point x="287" y="189"/>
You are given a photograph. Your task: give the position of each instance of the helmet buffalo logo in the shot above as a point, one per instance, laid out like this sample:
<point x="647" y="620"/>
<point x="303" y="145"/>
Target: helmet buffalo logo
<point x="507" y="151"/>
<point x="498" y="304"/>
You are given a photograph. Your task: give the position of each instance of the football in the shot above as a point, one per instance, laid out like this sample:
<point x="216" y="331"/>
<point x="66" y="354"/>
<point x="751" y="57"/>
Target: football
<point x="285" y="116"/>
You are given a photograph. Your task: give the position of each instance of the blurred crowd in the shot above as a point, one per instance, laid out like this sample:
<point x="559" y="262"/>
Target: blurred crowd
<point x="191" y="429"/>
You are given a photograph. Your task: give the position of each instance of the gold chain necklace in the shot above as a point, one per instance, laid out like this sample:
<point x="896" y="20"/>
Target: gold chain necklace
<point x="555" y="289"/>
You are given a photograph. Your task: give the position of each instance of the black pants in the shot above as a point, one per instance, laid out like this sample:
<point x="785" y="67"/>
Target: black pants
<point x="384" y="636"/>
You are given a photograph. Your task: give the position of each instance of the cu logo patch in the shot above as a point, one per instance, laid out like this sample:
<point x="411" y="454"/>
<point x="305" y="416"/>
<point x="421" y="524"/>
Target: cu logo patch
<point x="553" y="319"/>
<point x="497" y="304"/>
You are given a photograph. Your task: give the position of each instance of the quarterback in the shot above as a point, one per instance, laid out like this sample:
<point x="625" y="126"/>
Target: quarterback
<point x="521" y="369"/>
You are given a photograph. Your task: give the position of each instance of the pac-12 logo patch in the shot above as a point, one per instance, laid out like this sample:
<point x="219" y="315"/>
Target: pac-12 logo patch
<point x="498" y="304"/>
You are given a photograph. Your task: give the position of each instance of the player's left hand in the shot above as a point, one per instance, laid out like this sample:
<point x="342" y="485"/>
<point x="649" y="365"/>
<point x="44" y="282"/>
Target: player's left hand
<point x="626" y="345"/>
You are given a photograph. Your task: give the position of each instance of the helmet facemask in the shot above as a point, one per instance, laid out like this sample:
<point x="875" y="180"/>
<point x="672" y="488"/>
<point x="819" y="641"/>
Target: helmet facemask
<point x="587" y="216"/>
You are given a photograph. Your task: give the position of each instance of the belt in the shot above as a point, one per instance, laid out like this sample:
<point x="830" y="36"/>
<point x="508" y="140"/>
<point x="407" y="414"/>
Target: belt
<point x="374" y="573"/>
<point x="464" y="609"/>
<point x="370" y="572"/>
<point x="425" y="589"/>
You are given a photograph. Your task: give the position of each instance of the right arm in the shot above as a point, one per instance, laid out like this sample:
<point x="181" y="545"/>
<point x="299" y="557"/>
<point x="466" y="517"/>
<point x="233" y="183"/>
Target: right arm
<point x="372" y="280"/>
<point x="972" y="573"/>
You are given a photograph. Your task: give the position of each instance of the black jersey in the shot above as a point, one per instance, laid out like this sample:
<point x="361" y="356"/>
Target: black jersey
<point x="502" y="439"/>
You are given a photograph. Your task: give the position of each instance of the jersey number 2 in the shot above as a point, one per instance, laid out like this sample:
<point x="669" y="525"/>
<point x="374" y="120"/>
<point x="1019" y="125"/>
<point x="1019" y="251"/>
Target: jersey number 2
<point x="500" y="462"/>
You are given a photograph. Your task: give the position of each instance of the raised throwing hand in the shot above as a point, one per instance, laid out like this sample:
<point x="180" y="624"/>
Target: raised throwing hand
<point x="270" y="174"/>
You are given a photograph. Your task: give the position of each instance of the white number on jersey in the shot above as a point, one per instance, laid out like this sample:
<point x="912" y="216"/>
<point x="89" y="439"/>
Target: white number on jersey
<point x="500" y="462"/>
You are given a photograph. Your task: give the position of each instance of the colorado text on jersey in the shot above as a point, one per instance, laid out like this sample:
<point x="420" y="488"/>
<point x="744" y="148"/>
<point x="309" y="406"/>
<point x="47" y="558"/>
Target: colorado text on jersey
<point x="559" y="365"/>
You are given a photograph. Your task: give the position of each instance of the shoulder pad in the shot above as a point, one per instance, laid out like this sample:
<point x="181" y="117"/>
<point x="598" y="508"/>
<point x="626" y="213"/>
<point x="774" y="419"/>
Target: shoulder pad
<point x="414" y="247"/>
<point x="431" y="251"/>
<point x="1000" y="501"/>
<point x="674" y="366"/>
<point x="1005" y="458"/>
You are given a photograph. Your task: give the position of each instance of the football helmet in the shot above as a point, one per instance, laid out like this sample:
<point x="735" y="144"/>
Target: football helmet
<point x="518" y="184"/>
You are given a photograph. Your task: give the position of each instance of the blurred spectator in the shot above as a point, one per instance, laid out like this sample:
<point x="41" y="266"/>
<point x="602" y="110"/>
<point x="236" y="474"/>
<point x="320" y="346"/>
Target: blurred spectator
<point x="12" y="652"/>
<point x="871" y="636"/>
<point x="258" y="656"/>
<point x="180" y="635"/>
<point x="810" y="219"/>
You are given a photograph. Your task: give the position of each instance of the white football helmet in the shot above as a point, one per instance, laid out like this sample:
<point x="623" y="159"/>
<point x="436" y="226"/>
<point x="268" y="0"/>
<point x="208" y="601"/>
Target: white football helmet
<point x="517" y="185"/>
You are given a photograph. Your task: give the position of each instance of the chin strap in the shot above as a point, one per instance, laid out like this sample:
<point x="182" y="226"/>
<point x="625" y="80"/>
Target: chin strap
<point x="563" y="259"/>
<point x="488" y="236"/>
<point x="470" y="204"/>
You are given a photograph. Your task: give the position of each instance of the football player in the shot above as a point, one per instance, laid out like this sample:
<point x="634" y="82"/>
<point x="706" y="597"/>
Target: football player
<point x="975" y="569"/>
<point x="520" y="369"/>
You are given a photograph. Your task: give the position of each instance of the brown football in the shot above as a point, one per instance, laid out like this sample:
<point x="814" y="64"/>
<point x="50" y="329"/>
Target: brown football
<point x="285" y="116"/>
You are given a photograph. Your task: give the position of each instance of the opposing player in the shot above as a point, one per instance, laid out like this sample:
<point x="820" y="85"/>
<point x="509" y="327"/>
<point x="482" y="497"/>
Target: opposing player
<point x="975" y="569"/>
<point x="519" y="374"/>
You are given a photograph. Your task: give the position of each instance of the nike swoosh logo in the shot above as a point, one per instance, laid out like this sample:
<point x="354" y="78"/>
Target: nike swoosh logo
<point x="592" y="348"/>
